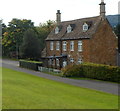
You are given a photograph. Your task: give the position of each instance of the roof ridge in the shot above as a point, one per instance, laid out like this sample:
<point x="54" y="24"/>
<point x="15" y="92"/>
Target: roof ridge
<point x="80" y="19"/>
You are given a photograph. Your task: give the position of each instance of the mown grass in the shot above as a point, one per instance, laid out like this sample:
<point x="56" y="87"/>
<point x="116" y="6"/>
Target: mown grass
<point x="23" y="91"/>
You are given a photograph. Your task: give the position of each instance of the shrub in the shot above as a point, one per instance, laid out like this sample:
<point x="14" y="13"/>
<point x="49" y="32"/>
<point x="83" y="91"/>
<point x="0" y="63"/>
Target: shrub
<point x="93" y="71"/>
<point x="72" y="71"/>
<point x="30" y="64"/>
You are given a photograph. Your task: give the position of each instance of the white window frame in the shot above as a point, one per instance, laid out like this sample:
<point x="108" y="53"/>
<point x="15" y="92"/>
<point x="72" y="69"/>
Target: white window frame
<point x="56" y="30"/>
<point x="64" y="46"/>
<point x="51" y="45"/>
<point x="69" y="29"/>
<point x="57" y="62"/>
<point x="64" y="63"/>
<point x="80" y="61"/>
<point x="85" y="27"/>
<point x="71" y="45"/>
<point x="57" y="45"/>
<point x="50" y="61"/>
<point x="80" y="44"/>
<point x="71" y="60"/>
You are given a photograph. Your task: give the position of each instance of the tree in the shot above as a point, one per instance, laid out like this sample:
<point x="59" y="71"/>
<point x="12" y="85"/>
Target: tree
<point x="4" y="27"/>
<point x="43" y="30"/>
<point x="13" y="35"/>
<point x="30" y="47"/>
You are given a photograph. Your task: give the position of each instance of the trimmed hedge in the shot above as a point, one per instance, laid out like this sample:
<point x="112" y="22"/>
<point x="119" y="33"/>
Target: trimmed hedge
<point x="30" y="64"/>
<point x="73" y="71"/>
<point x="93" y="71"/>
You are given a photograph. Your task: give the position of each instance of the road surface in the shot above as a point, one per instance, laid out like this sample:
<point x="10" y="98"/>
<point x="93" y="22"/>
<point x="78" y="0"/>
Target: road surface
<point x="91" y="84"/>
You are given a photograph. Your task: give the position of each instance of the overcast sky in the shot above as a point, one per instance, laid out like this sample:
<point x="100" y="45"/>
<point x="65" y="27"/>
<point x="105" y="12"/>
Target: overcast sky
<point x="40" y="11"/>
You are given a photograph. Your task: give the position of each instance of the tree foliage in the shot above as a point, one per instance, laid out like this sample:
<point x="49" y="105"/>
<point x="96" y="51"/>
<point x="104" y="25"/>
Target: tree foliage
<point x="30" y="47"/>
<point x="43" y="30"/>
<point x="13" y="35"/>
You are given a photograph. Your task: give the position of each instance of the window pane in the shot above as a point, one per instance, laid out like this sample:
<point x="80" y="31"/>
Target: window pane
<point x="57" y="62"/>
<point x="64" y="46"/>
<point x="72" y="45"/>
<point x="56" y="30"/>
<point x="51" y="45"/>
<point x="57" y="45"/>
<point x="80" y="61"/>
<point x="71" y="60"/>
<point x="79" y="45"/>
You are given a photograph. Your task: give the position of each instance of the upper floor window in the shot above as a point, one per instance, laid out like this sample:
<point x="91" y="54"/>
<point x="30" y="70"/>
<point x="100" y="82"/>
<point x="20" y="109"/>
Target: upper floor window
<point x="51" y="45"/>
<point x="57" y="45"/>
<point x="64" y="45"/>
<point x="85" y="27"/>
<point x="80" y="46"/>
<point x="71" y="45"/>
<point x="56" y="30"/>
<point x="69" y="29"/>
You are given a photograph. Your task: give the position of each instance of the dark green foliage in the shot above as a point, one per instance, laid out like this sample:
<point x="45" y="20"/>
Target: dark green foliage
<point x="43" y="30"/>
<point x="12" y="38"/>
<point x="73" y="71"/>
<point x="93" y="71"/>
<point x="13" y="35"/>
<point x="31" y="46"/>
<point x="30" y="64"/>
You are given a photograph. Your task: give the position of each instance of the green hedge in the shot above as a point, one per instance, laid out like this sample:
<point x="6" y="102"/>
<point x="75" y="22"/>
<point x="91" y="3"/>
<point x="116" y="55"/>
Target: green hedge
<point x="93" y="71"/>
<point x="73" y="71"/>
<point x="30" y="64"/>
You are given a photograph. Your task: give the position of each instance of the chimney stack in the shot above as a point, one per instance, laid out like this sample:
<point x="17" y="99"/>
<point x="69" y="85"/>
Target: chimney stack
<point x="58" y="17"/>
<point x="102" y="9"/>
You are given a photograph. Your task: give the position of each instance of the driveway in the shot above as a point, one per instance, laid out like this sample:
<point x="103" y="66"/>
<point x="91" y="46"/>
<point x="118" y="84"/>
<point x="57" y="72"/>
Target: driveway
<point x="91" y="84"/>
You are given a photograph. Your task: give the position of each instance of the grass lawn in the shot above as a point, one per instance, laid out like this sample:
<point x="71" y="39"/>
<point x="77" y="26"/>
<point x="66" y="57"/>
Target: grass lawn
<point x="23" y="91"/>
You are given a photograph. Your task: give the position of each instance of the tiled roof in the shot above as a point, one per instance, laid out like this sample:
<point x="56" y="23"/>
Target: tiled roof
<point x="77" y="32"/>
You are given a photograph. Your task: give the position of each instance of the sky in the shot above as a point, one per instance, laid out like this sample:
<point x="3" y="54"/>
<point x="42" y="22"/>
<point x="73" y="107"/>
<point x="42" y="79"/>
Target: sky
<point x="40" y="11"/>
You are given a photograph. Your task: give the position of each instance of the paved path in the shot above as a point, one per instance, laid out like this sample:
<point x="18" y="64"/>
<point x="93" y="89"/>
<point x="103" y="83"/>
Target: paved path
<point x="96" y="85"/>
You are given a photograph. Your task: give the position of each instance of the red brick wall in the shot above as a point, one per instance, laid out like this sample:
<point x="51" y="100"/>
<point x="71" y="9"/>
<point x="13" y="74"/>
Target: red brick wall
<point x="103" y="45"/>
<point x="101" y="48"/>
<point x="76" y="54"/>
<point x="54" y="51"/>
<point x="71" y="54"/>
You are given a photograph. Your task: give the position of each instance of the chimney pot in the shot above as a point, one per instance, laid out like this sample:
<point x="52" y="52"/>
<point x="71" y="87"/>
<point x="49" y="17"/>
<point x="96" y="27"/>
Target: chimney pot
<point x="58" y="17"/>
<point x="102" y="9"/>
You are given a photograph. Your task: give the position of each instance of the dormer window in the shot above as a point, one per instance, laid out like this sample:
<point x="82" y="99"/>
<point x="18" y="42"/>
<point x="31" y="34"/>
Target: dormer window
<point x="85" y="27"/>
<point x="56" y="30"/>
<point x="69" y="29"/>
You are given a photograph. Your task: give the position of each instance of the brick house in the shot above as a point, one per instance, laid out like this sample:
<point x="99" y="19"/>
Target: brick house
<point x="82" y="40"/>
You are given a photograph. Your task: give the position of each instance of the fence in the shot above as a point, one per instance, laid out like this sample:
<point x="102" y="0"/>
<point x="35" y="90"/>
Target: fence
<point x="45" y="69"/>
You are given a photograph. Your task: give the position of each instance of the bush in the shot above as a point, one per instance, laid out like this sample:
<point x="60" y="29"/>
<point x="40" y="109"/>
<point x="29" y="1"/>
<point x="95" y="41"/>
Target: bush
<point x="93" y="71"/>
<point x="73" y="71"/>
<point x="30" y="64"/>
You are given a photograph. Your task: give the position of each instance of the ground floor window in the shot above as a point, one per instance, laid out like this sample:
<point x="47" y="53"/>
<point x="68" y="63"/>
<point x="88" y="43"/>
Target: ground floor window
<point x="57" y="62"/>
<point x="80" y="61"/>
<point x="50" y="61"/>
<point x="64" y="63"/>
<point x="71" y="60"/>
